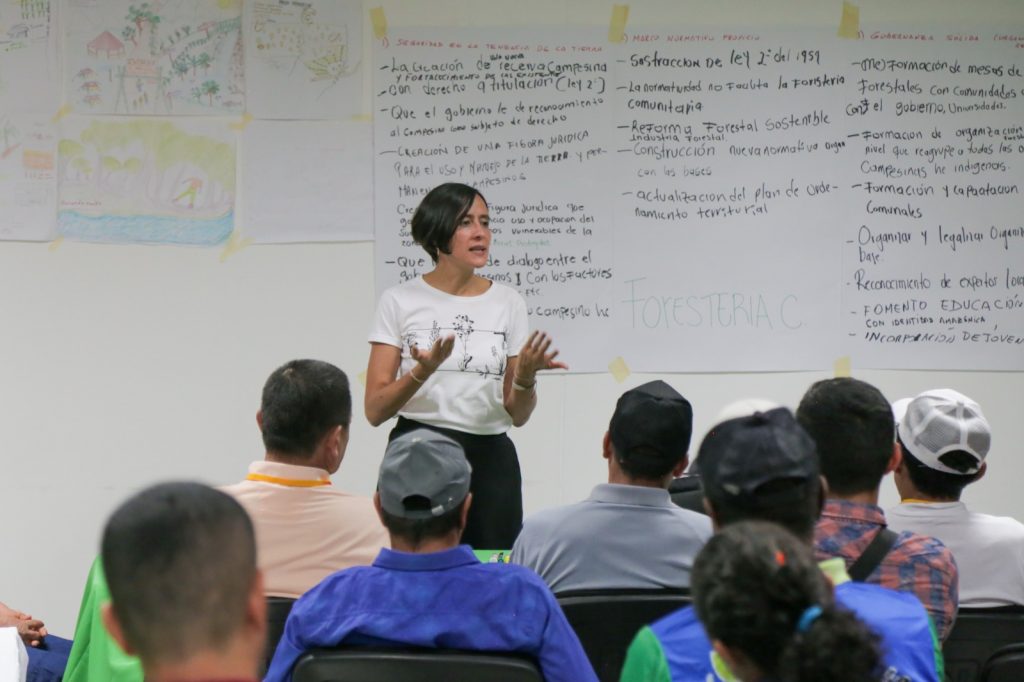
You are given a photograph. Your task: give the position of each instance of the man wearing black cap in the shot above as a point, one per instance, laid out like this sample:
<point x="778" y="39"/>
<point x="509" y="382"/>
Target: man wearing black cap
<point x="627" y="534"/>
<point x="764" y="467"/>
<point x="428" y="590"/>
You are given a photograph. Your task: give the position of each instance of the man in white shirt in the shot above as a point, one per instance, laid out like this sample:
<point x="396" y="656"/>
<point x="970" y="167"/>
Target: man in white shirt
<point x="945" y="438"/>
<point x="306" y="529"/>
<point x="628" y="533"/>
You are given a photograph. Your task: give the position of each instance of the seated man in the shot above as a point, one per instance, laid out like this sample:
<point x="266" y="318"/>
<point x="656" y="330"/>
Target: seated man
<point x="764" y="467"/>
<point x="628" y="534"/>
<point x="305" y="528"/>
<point x="47" y="654"/>
<point x="945" y="439"/>
<point x="852" y="424"/>
<point x="429" y="591"/>
<point x="186" y="596"/>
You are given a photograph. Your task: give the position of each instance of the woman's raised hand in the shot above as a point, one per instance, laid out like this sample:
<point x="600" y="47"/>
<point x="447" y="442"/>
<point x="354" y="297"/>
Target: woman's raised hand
<point x="432" y="359"/>
<point x="536" y="355"/>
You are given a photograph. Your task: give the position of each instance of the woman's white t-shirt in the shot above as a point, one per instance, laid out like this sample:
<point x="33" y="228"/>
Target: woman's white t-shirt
<point x="465" y="393"/>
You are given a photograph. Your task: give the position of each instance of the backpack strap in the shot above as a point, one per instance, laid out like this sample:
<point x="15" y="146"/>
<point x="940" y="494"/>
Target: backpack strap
<point x="872" y="555"/>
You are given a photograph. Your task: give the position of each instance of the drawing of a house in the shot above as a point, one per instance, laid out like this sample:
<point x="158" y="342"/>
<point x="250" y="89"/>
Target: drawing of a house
<point x="106" y="43"/>
<point x="18" y="31"/>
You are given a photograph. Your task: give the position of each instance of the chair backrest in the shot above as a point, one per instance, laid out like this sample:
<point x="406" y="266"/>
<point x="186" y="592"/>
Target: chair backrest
<point x="607" y="620"/>
<point x="976" y="636"/>
<point x="412" y="665"/>
<point x="1005" y="665"/>
<point x="278" y="609"/>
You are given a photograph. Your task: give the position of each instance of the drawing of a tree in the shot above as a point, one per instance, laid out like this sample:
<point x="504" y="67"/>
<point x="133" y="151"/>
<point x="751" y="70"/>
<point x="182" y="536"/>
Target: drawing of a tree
<point x="204" y="60"/>
<point x="139" y="15"/>
<point x="68" y="151"/>
<point x="180" y="67"/>
<point x="82" y="167"/>
<point x="169" y="155"/>
<point x="109" y="164"/>
<point x="210" y="88"/>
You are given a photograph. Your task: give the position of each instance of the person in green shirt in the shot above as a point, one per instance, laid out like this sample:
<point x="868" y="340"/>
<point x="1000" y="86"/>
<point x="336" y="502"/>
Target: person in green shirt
<point x="186" y="596"/>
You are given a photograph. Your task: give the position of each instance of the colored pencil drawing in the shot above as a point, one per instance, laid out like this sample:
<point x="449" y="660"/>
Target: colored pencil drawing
<point x="28" y="55"/>
<point x="309" y="50"/>
<point x="28" y="178"/>
<point x="146" y="180"/>
<point x="157" y="57"/>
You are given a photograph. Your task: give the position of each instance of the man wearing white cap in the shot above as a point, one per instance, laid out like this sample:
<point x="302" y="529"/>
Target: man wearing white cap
<point x="945" y="438"/>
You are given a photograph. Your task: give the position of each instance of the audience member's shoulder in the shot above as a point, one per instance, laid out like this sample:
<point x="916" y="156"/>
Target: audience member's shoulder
<point x="339" y="581"/>
<point x="1003" y="524"/>
<point x="853" y="593"/>
<point x="679" y="624"/>
<point x="925" y="548"/>
<point x="547" y="520"/>
<point x="701" y="522"/>
<point x="514" y="577"/>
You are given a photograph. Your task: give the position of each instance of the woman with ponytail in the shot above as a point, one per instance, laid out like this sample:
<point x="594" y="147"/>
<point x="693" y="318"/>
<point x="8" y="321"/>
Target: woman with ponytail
<point x="770" y="612"/>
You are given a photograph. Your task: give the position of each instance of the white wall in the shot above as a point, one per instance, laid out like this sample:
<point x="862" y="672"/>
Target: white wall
<point x="123" y="366"/>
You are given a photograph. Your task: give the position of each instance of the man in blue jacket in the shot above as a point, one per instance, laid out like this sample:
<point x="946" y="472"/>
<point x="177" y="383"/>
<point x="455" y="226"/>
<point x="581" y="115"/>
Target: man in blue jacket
<point x="428" y="590"/>
<point x="765" y="467"/>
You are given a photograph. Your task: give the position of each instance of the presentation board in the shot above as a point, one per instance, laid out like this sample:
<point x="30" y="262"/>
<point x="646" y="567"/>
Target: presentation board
<point x="725" y="199"/>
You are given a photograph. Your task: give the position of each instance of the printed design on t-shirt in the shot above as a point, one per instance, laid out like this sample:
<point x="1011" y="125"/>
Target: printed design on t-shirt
<point x="481" y="351"/>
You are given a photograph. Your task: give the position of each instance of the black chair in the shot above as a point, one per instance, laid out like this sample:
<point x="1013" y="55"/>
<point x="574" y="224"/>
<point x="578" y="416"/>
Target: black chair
<point x="413" y="665"/>
<point x="607" y="620"/>
<point x="976" y="636"/>
<point x="686" y="492"/>
<point x="278" y="609"/>
<point x="1005" y="665"/>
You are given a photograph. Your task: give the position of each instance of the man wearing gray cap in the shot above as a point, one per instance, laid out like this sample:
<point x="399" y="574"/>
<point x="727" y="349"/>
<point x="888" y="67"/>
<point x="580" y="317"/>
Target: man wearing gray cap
<point x="945" y="439"/>
<point x="428" y="590"/>
<point x="628" y="533"/>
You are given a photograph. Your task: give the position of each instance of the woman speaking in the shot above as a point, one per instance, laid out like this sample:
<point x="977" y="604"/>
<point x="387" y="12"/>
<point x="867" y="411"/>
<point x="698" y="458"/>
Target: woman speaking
<point x="449" y="351"/>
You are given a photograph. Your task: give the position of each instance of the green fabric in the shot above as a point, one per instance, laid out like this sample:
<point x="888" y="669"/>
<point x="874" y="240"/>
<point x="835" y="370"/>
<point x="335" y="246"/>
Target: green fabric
<point x="493" y="556"/>
<point x="940" y="662"/>
<point x="645" y="660"/>
<point x="835" y="570"/>
<point x="95" y="657"/>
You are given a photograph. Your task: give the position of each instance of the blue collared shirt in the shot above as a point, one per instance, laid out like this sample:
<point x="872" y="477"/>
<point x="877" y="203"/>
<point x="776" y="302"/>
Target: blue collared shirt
<point x="446" y="600"/>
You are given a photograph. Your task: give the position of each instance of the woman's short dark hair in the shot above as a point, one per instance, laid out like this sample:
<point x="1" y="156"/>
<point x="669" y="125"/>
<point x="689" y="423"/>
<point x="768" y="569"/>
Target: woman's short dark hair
<point x="439" y="214"/>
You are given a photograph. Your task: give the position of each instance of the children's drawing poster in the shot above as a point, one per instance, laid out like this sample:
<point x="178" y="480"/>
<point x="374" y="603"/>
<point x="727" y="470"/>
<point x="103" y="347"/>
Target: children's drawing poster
<point x="157" y="57"/>
<point x="303" y="58"/>
<point x="28" y="56"/>
<point x="146" y="180"/>
<point x="28" y="178"/>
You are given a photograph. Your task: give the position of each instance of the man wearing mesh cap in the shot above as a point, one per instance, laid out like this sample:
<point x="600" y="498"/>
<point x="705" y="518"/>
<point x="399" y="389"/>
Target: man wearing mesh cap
<point x="945" y="439"/>
<point x="428" y="590"/>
